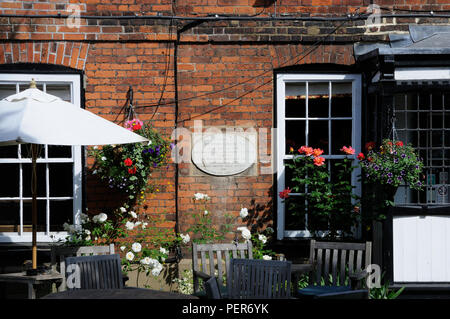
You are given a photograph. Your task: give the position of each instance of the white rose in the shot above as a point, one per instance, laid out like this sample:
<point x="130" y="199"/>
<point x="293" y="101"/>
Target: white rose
<point x="103" y="158"/>
<point x="144" y="225"/>
<point x="136" y="247"/>
<point x="185" y="238"/>
<point x="133" y="214"/>
<point x="102" y="217"/>
<point x="198" y="196"/>
<point x="266" y="257"/>
<point x="129" y="256"/>
<point x="87" y="231"/>
<point x="122" y="248"/>
<point x="163" y="250"/>
<point x="146" y="261"/>
<point x="205" y="212"/>
<point x="129" y="225"/>
<point x="262" y="238"/>
<point x="123" y="209"/>
<point x="136" y="224"/>
<point x="88" y="237"/>
<point x="246" y="234"/>
<point x="244" y="212"/>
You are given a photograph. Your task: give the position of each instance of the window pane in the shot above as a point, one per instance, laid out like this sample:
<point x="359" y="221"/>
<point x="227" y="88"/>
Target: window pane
<point x="9" y="151"/>
<point x="295" y="135"/>
<point x="399" y="101"/>
<point x="436" y="101"/>
<point x="56" y="151"/>
<point x="295" y="100"/>
<point x="60" y="90"/>
<point x="447" y="101"/>
<point x="411" y="101"/>
<point x="60" y="212"/>
<point x="288" y="175"/>
<point x="341" y="100"/>
<point x="318" y="135"/>
<point x="424" y="102"/>
<point x="9" y="187"/>
<point x="295" y="213"/>
<point x="41" y="216"/>
<point x="437" y="121"/>
<point x="25" y="151"/>
<point x="400" y="122"/>
<point x="7" y="90"/>
<point x="61" y="180"/>
<point x="411" y="120"/>
<point x="9" y="216"/>
<point x="341" y="132"/>
<point x="318" y="99"/>
<point x="23" y="87"/>
<point x="296" y="107"/>
<point x="41" y="180"/>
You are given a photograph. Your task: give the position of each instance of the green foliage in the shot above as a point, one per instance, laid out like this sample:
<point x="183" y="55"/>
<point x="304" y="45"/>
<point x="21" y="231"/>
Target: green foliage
<point x="203" y="229"/>
<point x="384" y="292"/>
<point x="127" y="166"/>
<point x="328" y="200"/>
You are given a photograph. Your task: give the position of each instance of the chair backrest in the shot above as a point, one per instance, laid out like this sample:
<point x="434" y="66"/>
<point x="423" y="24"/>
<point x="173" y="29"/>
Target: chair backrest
<point x="60" y="253"/>
<point x="206" y="257"/>
<point x="257" y="278"/>
<point x="95" y="272"/>
<point x="334" y="261"/>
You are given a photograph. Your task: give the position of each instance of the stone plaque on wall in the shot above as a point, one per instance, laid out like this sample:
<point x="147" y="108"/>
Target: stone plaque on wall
<point x="224" y="154"/>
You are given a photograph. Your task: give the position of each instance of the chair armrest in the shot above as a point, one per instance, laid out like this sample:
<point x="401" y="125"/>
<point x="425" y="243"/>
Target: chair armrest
<point x="202" y="275"/>
<point x="301" y="268"/>
<point x="356" y="277"/>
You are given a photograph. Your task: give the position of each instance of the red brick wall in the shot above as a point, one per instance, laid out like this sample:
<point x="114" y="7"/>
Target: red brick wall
<point x="234" y="58"/>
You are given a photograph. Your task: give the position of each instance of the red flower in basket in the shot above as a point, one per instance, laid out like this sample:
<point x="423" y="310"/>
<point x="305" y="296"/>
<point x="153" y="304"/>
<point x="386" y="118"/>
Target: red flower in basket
<point x="361" y="156"/>
<point x="128" y="162"/>
<point x="132" y="170"/>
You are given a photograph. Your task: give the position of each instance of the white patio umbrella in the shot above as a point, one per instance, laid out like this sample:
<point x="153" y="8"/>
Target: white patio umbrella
<point x="35" y="117"/>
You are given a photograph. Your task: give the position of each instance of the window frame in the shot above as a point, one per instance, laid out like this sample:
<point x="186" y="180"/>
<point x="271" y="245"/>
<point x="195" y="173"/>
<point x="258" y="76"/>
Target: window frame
<point x="281" y="81"/>
<point x="48" y="236"/>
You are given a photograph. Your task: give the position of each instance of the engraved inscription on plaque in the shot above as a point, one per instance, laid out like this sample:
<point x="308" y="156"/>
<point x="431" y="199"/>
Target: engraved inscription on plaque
<point x="224" y="154"/>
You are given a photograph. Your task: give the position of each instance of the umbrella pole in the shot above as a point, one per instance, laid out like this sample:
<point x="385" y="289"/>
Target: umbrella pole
<point x="34" y="205"/>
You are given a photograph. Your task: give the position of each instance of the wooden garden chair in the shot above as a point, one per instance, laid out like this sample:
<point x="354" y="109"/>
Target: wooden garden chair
<point x="60" y="253"/>
<point x="213" y="260"/>
<point x="96" y="272"/>
<point x="338" y="270"/>
<point x="254" y="279"/>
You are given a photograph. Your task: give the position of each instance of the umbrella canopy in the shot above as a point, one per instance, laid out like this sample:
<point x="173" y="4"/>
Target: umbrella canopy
<point x="35" y="117"/>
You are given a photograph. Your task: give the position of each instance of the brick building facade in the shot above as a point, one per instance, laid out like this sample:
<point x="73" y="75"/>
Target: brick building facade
<point x="212" y="61"/>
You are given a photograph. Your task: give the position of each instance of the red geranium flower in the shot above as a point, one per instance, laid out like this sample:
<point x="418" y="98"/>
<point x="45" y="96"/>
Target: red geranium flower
<point x="370" y="146"/>
<point x="128" y="162"/>
<point x="361" y="156"/>
<point x="132" y="170"/>
<point x="285" y="193"/>
<point x="399" y="143"/>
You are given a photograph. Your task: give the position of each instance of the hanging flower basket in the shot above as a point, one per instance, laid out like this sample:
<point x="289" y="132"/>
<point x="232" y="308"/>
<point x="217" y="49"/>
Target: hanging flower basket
<point x="127" y="167"/>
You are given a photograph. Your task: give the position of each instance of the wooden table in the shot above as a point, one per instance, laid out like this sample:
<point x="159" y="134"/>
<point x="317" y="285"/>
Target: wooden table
<point x="125" y="293"/>
<point x="32" y="281"/>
